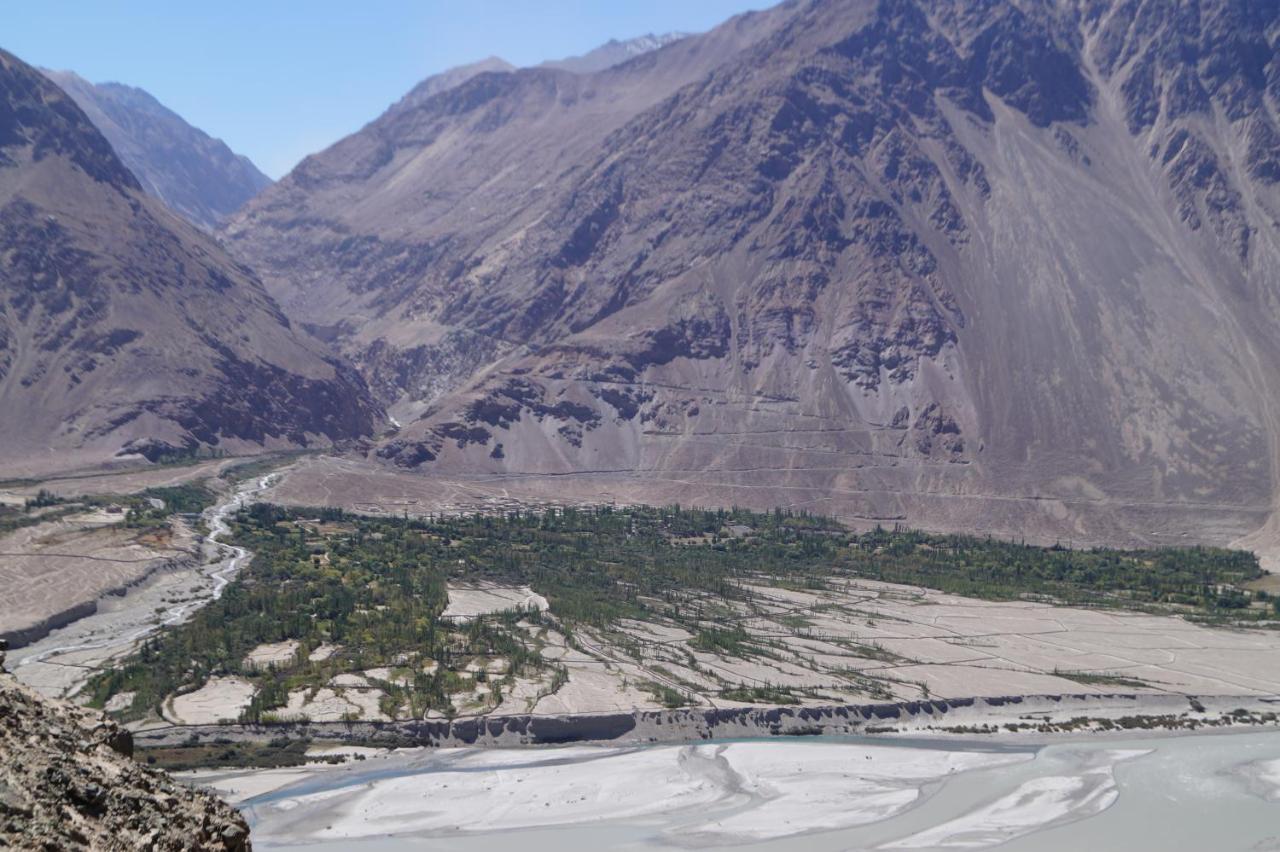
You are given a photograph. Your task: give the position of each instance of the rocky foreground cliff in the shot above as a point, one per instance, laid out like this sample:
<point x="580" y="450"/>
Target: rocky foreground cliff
<point x="68" y="781"/>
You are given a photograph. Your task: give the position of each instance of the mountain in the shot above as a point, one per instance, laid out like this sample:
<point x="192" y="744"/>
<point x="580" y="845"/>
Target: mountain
<point x="126" y="330"/>
<point x="350" y="241"/>
<point x="199" y="177"/>
<point x="977" y="265"/>
<point x="613" y="52"/>
<point x="67" y="781"/>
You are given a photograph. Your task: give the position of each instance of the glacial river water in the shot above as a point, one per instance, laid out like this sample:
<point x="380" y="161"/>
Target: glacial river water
<point x="1198" y="792"/>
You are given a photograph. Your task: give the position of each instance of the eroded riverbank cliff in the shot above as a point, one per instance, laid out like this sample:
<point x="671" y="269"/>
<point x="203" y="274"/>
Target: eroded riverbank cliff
<point x="1030" y="713"/>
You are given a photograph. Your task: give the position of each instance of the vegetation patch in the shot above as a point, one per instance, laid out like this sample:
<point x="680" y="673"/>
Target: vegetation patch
<point x="667" y="696"/>
<point x="228" y="755"/>
<point x="1102" y="679"/>
<point x="759" y="695"/>
<point x="375" y="589"/>
<point x="187" y="499"/>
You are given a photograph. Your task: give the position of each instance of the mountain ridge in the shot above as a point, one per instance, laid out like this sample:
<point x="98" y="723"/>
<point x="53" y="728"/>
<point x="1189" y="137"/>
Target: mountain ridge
<point x="196" y="175"/>
<point x="904" y="261"/>
<point x="125" y="330"/>
<point x="613" y="52"/>
<point x="410" y="222"/>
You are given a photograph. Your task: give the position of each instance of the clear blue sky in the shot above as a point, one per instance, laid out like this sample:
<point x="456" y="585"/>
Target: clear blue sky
<point x="278" y="80"/>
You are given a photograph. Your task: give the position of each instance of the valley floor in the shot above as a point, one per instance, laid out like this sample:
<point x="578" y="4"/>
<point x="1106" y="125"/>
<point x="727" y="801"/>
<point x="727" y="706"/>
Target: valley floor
<point x="852" y="641"/>
<point x="102" y="587"/>
<point x="774" y="648"/>
<point x="858" y="497"/>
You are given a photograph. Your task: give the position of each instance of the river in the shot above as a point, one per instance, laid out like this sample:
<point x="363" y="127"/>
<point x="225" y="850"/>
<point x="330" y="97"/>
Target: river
<point x="1168" y="792"/>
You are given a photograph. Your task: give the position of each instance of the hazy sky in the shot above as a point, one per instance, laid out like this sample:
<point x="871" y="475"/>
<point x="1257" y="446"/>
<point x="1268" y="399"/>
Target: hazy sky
<point x="278" y="80"/>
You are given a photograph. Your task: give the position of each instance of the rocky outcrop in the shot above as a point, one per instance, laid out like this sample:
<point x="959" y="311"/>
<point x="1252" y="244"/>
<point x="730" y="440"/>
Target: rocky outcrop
<point x="936" y="431"/>
<point x="68" y="781"/>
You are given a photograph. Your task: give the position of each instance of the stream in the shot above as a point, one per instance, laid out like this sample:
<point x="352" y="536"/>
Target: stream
<point x="60" y="663"/>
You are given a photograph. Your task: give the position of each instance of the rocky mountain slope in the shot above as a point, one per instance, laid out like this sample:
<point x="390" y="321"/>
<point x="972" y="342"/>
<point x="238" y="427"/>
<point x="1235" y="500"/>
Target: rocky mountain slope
<point x="977" y="264"/>
<point x="612" y="52"/>
<point x="197" y="176"/>
<point x="124" y="329"/>
<point x="67" y="781"/>
<point x="445" y="80"/>
<point x="351" y="241"/>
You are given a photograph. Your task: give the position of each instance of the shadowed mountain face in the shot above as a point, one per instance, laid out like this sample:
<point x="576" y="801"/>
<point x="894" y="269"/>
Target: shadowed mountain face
<point x="976" y="265"/>
<point x="124" y="329"/>
<point x="199" y="177"/>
